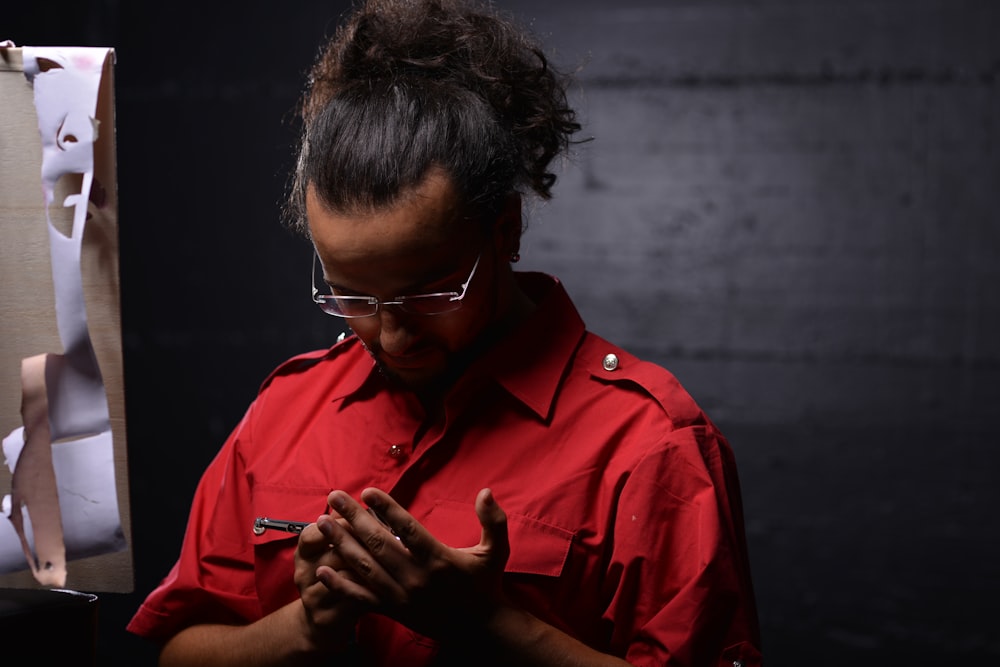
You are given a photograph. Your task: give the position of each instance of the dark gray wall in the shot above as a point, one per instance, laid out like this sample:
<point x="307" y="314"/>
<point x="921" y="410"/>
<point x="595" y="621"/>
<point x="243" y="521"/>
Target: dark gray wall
<point x="789" y="204"/>
<point x="792" y="206"/>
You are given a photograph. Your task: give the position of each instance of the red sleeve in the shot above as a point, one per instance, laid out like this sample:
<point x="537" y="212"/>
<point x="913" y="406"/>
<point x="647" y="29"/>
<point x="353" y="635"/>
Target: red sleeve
<point x="213" y="579"/>
<point x="682" y="593"/>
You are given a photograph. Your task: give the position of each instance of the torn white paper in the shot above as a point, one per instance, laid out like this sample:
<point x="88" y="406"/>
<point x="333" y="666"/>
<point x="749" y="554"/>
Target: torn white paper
<point x="78" y="451"/>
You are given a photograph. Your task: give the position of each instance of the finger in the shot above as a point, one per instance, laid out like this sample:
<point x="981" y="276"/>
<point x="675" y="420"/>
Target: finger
<point x="493" y="519"/>
<point x="364" y="546"/>
<point x="339" y="533"/>
<point x="416" y="539"/>
<point x="364" y="524"/>
<point x="345" y="585"/>
<point x="312" y="542"/>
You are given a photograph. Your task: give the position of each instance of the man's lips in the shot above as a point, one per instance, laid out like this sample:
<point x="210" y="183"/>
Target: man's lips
<point x="410" y="360"/>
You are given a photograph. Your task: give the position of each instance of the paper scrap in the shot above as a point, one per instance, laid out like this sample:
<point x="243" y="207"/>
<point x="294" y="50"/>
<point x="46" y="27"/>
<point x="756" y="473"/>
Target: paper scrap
<point x="34" y="484"/>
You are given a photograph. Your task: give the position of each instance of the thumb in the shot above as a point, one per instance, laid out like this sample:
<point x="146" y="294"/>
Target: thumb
<point x="494" y="522"/>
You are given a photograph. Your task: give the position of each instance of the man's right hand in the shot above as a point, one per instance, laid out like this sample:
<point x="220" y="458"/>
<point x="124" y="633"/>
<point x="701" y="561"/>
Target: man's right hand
<point x="331" y="612"/>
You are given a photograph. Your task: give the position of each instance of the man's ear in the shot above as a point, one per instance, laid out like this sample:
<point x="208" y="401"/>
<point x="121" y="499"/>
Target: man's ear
<point x="508" y="227"/>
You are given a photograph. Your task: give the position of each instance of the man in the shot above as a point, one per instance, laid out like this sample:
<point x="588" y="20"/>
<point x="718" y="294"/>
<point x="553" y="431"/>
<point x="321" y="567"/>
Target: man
<point x="493" y="483"/>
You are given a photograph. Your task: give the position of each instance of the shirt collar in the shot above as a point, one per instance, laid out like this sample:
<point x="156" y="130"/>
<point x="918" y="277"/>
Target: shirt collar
<point x="531" y="361"/>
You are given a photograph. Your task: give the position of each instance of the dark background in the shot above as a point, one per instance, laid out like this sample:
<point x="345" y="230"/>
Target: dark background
<point x="791" y="205"/>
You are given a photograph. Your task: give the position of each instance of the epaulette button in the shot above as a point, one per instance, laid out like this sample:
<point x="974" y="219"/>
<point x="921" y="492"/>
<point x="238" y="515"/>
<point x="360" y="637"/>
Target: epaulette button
<point x="610" y="362"/>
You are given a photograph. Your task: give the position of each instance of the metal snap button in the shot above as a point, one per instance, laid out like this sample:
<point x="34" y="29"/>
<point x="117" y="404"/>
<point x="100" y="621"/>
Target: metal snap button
<point x="610" y="362"/>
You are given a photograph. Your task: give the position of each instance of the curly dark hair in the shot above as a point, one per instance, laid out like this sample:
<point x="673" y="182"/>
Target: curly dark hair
<point x="406" y="85"/>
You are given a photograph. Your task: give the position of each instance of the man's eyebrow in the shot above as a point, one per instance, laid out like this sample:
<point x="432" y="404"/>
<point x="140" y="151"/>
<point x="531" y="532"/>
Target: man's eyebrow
<point x="433" y="284"/>
<point x="345" y="290"/>
<point x="423" y="286"/>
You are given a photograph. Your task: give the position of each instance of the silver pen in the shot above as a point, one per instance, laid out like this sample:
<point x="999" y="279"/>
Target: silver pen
<point x="262" y="523"/>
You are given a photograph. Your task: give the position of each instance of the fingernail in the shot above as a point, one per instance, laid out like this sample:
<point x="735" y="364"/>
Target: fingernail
<point x="337" y="501"/>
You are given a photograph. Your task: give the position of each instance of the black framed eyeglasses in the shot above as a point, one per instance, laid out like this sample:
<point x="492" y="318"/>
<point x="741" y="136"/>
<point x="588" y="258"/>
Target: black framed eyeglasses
<point x="351" y="306"/>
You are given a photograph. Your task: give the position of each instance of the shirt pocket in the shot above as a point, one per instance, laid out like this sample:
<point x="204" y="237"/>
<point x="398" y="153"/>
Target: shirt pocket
<point x="536" y="546"/>
<point x="274" y="550"/>
<point x="743" y="654"/>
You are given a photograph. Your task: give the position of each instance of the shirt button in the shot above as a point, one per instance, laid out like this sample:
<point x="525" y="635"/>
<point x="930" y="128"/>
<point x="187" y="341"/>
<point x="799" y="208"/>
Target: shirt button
<point x="396" y="452"/>
<point x="610" y="362"/>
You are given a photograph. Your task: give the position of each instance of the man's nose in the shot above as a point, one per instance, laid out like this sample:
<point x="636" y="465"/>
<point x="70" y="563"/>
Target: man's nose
<point x="394" y="335"/>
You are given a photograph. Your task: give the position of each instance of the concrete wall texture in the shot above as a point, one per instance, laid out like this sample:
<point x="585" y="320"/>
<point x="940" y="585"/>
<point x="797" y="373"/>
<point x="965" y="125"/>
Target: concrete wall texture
<point x="791" y="205"/>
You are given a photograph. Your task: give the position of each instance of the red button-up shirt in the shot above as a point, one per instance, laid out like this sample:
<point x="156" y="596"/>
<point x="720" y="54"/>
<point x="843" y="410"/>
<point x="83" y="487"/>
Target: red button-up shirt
<point x="623" y="504"/>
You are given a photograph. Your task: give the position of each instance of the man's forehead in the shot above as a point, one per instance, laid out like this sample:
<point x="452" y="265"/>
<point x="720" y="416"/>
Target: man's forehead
<point x="425" y="218"/>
